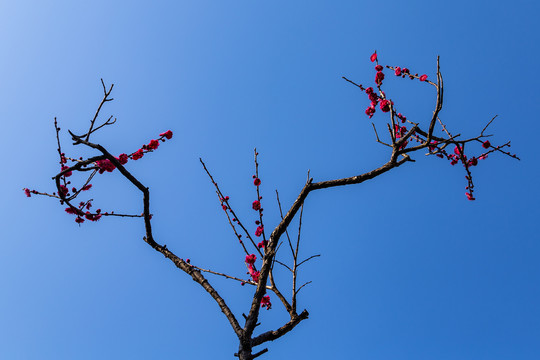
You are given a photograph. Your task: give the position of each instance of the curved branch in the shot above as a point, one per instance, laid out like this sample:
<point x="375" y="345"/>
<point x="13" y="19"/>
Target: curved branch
<point x="282" y="226"/>
<point x="149" y="239"/>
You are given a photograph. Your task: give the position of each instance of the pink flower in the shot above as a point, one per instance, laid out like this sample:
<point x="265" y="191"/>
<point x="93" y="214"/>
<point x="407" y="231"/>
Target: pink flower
<point x="374" y="98"/>
<point x="257" y="182"/>
<point x="259" y="231"/>
<point x="138" y="154"/>
<point x="86" y="187"/>
<point x="153" y="145"/>
<point x="473" y="161"/>
<point x="256" y="205"/>
<point x="224" y="207"/>
<point x="469" y="196"/>
<point x="405" y="70"/>
<point x="401" y="117"/>
<point x="265" y="301"/>
<point x="123" y="159"/>
<point x="79" y="220"/>
<point x="250" y="259"/>
<point x="27" y="192"/>
<point x="63" y="190"/>
<point x="378" y="67"/>
<point x="262" y="244"/>
<point x="457" y="150"/>
<point x="167" y="134"/>
<point x="255" y="276"/>
<point x="397" y="71"/>
<point x="370" y="111"/>
<point x="379" y="77"/>
<point x="105" y="165"/>
<point x="385" y="105"/>
<point x="423" y="77"/>
<point x="373" y="57"/>
<point x="369" y="90"/>
<point x="486" y="144"/>
<point x="69" y="173"/>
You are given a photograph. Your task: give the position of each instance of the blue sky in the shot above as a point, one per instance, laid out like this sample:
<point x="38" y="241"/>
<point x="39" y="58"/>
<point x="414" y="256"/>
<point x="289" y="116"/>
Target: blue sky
<point x="409" y="269"/>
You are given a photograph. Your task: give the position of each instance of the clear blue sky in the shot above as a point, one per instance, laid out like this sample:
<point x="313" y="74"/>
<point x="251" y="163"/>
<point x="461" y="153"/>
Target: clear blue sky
<point x="409" y="269"/>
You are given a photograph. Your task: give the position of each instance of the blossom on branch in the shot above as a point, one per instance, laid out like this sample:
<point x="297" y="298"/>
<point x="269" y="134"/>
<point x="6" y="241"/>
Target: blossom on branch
<point x="153" y="145"/>
<point x="63" y="190"/>
<point x="254" y="274"/>
<point x="265" y="302"/>
<point x="385" y="105"/>
<point x="105" y="165"/>
<point x="167" y="134"/>
<point x="67" y="174"/>
<point x="123" y="159"/>
<point x="379" y="77"/>
<point x="256" y="205"/>
<point x="250" y="259"/>
<point x="137" y="154"/>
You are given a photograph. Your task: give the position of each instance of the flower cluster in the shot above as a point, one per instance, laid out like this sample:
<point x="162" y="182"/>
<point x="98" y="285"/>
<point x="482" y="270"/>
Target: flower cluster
<point x="385" y="104"/>
<point x="82" y="214"/>
<point x="137" y="154"/>
<point x="224" y="205"/>
<point x="379" y="76"/>
<point x="67" y="173"/>
<point x="103" y="165"/>
<point x="374" y="101"/>
<point x="458" y="155"/>
<point x="398" y="71"/>
<point x="107" y="166"/>
<point x="259" y="230"/>
<point x="435" y="148"/>
<point x="256" y="205"/>
<point x="27" y="192"/>
<point x="265" y="302"/>
<point x="250" y="259"/>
